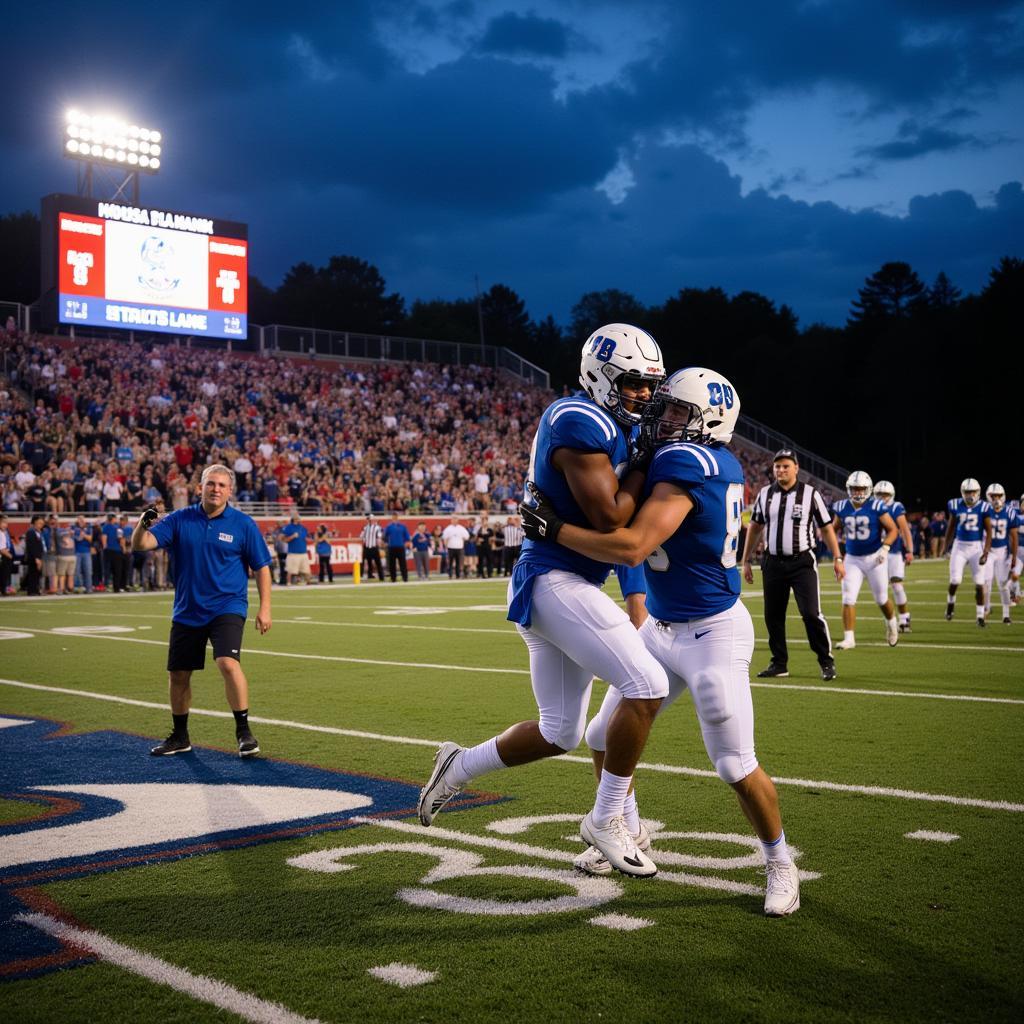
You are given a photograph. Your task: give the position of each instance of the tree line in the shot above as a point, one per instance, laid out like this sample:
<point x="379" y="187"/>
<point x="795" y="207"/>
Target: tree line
<point x="922" y="385"/>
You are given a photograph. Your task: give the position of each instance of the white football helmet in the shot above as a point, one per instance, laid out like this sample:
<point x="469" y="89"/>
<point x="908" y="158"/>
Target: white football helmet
<point x="695" y="404"/>
<point x="885" y="491"/>
<point x="996" y="496"/>
<point x="618" y="354"/>
<point x="858" y="486"/>
<point x="968" y="487"/>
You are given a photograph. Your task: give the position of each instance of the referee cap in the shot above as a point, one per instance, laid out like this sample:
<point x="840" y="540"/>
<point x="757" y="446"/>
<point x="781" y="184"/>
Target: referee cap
<point x="785" y="453"/>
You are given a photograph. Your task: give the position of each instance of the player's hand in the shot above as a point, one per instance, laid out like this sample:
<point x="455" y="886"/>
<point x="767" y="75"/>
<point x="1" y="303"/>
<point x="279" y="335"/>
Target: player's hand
<point x="748" y="572"/>
<point x="641" y="450"/>
<point x="540" y="520"/>
<point x="839" y="568"/>
<point x="148" y="518"/>
<point x="262" y="621"/>
<point x="908" y="557"/>
<point x="881" y="557"/>
<point x="983" y="559"/>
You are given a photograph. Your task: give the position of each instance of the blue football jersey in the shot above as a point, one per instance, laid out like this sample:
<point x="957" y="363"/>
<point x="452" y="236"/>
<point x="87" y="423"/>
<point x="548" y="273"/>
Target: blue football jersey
<point x="578" y="423"/>
<point x="897" y="509"/>
<point x="693" y="574"/>
<point x="970" y="519"/>
<point x="862" y="531"/>
<point x="1003" y="523"/>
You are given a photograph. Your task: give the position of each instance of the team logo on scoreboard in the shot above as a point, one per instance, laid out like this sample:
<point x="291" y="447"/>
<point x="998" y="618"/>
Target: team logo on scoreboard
<point x="158" y="258"/>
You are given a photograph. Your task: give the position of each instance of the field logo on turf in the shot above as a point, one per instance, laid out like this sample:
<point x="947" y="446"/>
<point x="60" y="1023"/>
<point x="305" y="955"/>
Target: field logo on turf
<point x="98" y="802"/>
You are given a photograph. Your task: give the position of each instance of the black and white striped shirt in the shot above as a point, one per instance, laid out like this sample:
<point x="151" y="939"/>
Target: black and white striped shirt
<point x="370" y="535"/>
<point x="789" y="517"/>
<point x="513" y="536"/>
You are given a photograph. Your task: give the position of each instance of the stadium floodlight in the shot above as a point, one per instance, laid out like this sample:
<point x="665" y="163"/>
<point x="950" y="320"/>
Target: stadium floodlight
<point x="105" y="139"/>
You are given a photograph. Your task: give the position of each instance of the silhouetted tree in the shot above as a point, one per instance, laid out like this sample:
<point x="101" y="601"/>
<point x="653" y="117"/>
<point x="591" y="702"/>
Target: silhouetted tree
<point x="943" y="294"/>
<point x="595" y="309"/>
<point x="891" y="293"/>
<point x="443" y="320"/>
<point x="506" y="321"/>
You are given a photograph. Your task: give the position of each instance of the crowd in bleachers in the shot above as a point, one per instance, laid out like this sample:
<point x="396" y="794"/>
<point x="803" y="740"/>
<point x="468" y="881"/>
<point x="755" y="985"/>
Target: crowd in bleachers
<point x="121" y="425"/>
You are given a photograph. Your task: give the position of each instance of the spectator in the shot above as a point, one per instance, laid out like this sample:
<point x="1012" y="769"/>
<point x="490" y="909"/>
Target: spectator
<point x="455" y="537"/>
<point x="297" y="563"/>
<point x="81" y="534"/>
<point x="398" y="541"/>
<point x="64" y="544"/>
<point x="6" y="557"/>
<point x="323" y="554"/>
<point x="421" y="550"/>
<point x="34" y="556"/>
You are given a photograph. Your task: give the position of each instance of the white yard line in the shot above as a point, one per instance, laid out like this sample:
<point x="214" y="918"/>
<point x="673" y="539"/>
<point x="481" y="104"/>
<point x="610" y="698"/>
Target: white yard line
<point x="205" y="990"/>
<point x="903" y="794"/>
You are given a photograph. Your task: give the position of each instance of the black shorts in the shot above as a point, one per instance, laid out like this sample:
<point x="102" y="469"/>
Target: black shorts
<point x="187" y="651"/>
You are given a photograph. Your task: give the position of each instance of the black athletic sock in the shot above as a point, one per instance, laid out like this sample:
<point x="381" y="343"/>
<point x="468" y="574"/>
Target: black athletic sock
<point x="180" y="724"/>
<point x="241" y="721"/>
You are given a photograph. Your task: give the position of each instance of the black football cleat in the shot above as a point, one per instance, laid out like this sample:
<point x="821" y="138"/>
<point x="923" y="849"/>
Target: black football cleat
<point x="981" y="621"/>
<point x="247" y="745"/>
<point x="174" y="744"/>
<point x="949" y="612"/>
<point x="773" y="671"/>
<point x="828" y="672"/>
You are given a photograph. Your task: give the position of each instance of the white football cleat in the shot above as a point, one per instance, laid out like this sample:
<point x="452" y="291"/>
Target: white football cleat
<point x="593" y="862"/>
<point x="618" y="846"/>
<point x="782" y="893"/>
<point x="892" y="634"/>
<point x="437" y="792"/>
<point x="846" y="645"/>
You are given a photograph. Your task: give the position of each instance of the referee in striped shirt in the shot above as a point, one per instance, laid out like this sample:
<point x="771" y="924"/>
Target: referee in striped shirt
<point x="788" y="512"/>
<point x="513" y="533"/>
<point x="370" y="535"/>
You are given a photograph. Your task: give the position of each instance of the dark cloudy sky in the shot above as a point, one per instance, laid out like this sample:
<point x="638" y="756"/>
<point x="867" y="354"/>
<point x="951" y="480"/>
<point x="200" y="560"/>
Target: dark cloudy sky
<point x="789" y="148"/>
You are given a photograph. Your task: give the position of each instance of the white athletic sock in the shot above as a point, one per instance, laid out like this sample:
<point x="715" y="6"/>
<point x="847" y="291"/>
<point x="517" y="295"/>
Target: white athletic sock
<point x="847" y="636"/>
<point x="474" y="761"/>
<point x="950" y="598"/>
<point x="904" y="618"/>
<point x="611" y="797"/>
<point x="777" y="850"/>
<point x="899" y="593"/>
<point x="980" y="609"/>
<point x="631" y="813"/>
<point x="892" y="621"/>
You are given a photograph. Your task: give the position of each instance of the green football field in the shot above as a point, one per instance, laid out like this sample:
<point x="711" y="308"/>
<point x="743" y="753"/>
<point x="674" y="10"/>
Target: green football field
<point x="300" y="886"/>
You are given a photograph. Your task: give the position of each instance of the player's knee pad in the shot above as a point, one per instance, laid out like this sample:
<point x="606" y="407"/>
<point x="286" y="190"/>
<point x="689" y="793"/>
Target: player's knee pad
<point x="733" y="768"/>
<point x="899" y="592"/>
<point x="711" y="696"/>
<point x="596" y="731"/>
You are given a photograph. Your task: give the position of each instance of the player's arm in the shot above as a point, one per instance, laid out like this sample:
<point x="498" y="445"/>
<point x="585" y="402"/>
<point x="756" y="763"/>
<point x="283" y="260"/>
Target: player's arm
<point x="950" y="530"/>
<point x="1014" y="546"/>
<point x="891" y="532"/>
<point x="828" y="535"/>
<point x="659" y="518"/>
<point x="142" y="539"/>
<point x="754" y="531"/>
<point x="596" y="488"/>
<point x="908" y="541"/>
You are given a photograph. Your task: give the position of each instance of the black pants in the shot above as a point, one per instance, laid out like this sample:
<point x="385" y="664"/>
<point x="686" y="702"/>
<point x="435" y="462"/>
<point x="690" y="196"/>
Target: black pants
<point x="484" y="561"/>
<point x="511" y="557"/>
<point x="371" y="558"/>
<point x="33" y="577"/>
<point x="326" y="569"/>
<point x="396" y="561"/>
<point x="799" y="574"/>
<point x="455" y="557"/>
<point x="116" y="566"/>
<point x="282" y="561"/>
<point x="6" y="567"/>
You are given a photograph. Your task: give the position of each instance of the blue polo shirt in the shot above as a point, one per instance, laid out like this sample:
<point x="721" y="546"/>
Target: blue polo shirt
<point x="295" y="534"/>
<point x="396" y="535"/>
<point x="211" y="561"/>
<point x="114" y="534"/>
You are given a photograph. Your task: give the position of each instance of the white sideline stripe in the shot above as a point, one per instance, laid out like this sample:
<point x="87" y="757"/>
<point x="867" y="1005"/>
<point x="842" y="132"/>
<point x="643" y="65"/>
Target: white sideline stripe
<point x="565" y="856"/>
<point x="198" y="986"/>
<point x="283" y="722"/>
<point x="934" y="837"/>
<point x="330" y="730"/>
<point x="835" y="787"/>
<point x="845" y="691"/>
<point x="402" y="975"/>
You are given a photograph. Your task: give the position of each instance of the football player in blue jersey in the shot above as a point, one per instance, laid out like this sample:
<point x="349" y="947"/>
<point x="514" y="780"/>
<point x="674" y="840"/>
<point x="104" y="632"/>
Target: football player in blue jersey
<point x="1005" y="544"/>
<point x="572" y="629"/>
<point x="901" y="554"/>
<point x="869" y="532"/>
<point x="686" y="536"/>
<point x="970" y="521"/>
<point x="1018" y="565"/>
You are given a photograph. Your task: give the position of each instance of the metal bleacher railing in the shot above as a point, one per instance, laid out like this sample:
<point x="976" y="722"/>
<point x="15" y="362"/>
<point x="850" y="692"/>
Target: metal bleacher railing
<point x="771" y="441"/>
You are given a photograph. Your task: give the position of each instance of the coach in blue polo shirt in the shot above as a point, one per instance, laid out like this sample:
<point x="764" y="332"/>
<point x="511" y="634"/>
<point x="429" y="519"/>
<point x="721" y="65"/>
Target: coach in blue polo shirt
<point x="214" y="546"/>
<point x="396" y="536"/>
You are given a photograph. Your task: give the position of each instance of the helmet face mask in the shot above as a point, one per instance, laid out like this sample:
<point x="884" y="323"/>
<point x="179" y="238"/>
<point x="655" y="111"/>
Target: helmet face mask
<point x="617" y="357"/>
<point x="970" y="490"/>
<point x="695" y="404"/>
<point x="996" y="496"/>
<point x="858" y="487"/>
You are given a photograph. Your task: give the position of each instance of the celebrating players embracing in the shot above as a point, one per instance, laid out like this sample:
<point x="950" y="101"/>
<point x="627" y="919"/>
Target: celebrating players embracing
<point x="572" y="629"/>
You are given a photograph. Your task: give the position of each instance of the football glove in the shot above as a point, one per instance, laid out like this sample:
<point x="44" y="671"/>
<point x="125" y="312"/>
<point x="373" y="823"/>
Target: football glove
<point x="882" y="555"/>
<point x="540" y="520"/>
<point x="148" y="518"/>
<point x="640" y="452"/>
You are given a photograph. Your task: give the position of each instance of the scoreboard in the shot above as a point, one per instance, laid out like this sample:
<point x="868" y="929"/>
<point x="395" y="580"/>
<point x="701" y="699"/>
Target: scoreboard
<point x="109" y="264"/>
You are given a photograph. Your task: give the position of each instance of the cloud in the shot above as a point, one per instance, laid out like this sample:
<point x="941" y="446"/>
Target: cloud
<point x="518" y="34"/>
<point x="914" y="139"/>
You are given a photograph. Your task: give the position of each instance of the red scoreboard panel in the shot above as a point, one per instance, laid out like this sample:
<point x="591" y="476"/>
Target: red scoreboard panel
<point x="140" y="268"/>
